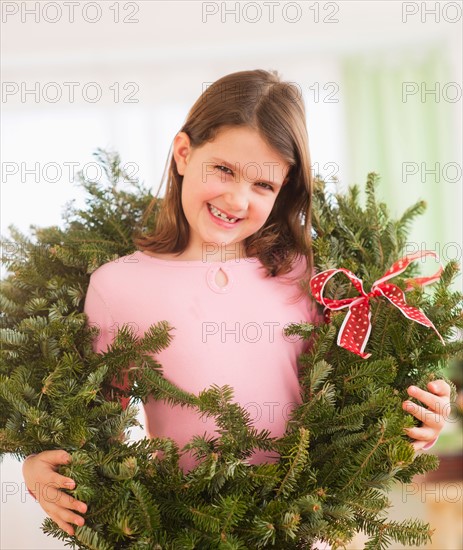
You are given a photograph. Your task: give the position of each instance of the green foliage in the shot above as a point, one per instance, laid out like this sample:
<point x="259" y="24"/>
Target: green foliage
<point x="344" y="445"/>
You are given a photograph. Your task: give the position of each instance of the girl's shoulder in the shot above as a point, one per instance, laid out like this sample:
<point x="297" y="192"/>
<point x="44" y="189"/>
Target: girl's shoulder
<point x="117" y="267"/>
<point x="298" y="269"/>
<point x="159" y="255"/>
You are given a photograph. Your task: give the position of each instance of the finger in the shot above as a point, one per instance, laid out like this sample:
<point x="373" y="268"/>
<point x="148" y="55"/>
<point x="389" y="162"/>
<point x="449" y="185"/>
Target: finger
<point x="72" y="503"/>
<point x="68" y="527"/>
<point x="439" y="387"/>
<point x="421" y="434"/>
<point x="62" y="482"/>
<point x="51" y="479"/>
<point x="61" y="515"/>
<point x="429" y="418"/>
<point x="51" y="490"/>
<point x="51" y="496"/>
<point x="419" y="445"/>
<point x="64" y="500"/>
<point x="65" y="519"/>
<point x="440" y="405"/>
<point x="56" y="457"/>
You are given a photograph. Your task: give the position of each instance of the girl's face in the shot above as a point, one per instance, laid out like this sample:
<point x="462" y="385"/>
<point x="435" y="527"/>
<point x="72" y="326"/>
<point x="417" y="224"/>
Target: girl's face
<point x="229" y="188"/>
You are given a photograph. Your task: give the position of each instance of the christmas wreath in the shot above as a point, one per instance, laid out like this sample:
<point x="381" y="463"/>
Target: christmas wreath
<point x="344" y="445"/>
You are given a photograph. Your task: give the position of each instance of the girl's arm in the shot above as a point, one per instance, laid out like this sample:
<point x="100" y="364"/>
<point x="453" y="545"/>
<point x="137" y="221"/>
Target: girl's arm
<point x="99" y="315"/>
<point x="40" y="470"/>
<point x="437" y="399"/>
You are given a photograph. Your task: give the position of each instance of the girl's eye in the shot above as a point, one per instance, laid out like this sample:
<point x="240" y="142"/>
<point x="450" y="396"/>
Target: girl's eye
<point x="267" y="185"/>
<point x="223" y="169"/>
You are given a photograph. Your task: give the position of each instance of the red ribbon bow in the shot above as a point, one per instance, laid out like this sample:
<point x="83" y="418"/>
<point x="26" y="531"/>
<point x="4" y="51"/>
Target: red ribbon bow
<point x="356" y="327"/>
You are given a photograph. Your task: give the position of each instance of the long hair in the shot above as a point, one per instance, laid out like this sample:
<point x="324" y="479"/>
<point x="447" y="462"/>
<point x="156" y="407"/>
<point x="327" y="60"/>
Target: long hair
<point x="261" y="101"/>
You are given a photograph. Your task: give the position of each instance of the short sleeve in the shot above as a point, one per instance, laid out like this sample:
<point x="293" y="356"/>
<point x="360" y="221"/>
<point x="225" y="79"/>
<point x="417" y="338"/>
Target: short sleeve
<point x="99" y="316"/>
<point x="316" y="316"/>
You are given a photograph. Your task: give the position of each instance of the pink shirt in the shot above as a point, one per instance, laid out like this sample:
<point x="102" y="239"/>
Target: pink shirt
<point x="231" y="335"/>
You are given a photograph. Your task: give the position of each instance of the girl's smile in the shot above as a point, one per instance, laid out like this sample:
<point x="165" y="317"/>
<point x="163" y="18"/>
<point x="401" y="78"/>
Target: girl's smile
<point x="221" y="217"/>
<point x="229" y="187"/>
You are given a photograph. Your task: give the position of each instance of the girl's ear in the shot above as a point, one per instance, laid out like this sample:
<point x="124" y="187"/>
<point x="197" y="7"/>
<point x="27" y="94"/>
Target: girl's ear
<point x="182" y="150"/>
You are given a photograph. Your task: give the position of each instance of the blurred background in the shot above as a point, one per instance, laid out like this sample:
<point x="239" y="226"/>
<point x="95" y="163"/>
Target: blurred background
<point x="382" y="83"/>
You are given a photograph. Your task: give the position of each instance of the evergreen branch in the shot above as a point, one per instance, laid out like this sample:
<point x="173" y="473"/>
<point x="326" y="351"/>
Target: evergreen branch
<point x="205" y="518"/>
<point x="90" y="538"/>
<point x="298" y="457"/>
<point x="146" y="507"/>
<point x="410" y="532"/>
<point x="362" y="466"/>
<point x="233" y="512"/>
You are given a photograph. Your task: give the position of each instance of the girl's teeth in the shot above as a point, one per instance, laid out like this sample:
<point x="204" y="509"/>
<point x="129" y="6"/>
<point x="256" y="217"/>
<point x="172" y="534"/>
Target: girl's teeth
<point x="219" y="214"/>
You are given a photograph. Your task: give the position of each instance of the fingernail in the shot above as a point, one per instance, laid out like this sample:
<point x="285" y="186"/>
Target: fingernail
<point x="83" y="508"/>
<point x="408" y="405"/>
<point x="412" y="389"/>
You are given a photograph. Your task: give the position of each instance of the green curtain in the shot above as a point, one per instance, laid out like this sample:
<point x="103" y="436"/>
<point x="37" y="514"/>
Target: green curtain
<point x="386" y="129"/>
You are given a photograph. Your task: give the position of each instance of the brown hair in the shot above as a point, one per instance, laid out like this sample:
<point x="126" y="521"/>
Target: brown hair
<point x="259" y="100"/>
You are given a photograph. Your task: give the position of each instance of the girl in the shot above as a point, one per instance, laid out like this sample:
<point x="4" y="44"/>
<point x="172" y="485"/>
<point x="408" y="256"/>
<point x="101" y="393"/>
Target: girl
<point x="231" y="244"/>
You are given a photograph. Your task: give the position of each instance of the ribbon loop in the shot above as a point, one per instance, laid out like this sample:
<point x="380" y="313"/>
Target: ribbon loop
<point x="356" y="328"/>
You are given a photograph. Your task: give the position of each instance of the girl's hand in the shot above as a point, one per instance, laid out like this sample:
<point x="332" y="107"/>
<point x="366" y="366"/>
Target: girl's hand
<point x="44" y="482"/>
<point x="437" y="399"/>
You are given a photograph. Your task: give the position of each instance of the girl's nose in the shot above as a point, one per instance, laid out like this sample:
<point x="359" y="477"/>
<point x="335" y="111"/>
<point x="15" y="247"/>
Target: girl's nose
<point x="236" y="202"/>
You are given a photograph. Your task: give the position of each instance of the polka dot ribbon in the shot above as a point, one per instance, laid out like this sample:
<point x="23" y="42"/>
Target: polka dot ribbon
<point x="356" y="328"/>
